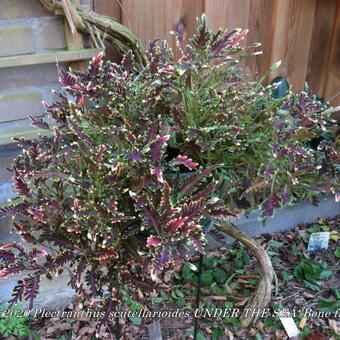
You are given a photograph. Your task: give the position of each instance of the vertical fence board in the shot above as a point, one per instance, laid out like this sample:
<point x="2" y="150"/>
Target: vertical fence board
<point x="292" y="38"/>
<point x="74" y="41"/>
<point x="301" y="33"/>
<point x="110" y="8"/>
<point x="324" y="21"/>
<point x="151" y="19"/>
<point x="227" y="13"/>
<point x="333" y="75"/>
<point x="280" y="36"/>
<point x="261" y="25"/>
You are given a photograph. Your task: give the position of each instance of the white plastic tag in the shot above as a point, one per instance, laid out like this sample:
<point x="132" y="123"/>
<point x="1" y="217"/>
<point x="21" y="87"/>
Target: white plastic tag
<point x="290" y="327"/>
<point x="318" y="241"/>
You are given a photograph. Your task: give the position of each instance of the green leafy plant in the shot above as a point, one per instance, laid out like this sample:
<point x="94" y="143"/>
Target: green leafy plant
<point x="101" y="196"/>
<point x="261" y="138"/>
<point x="328" y="305"/>
<point x="310" y="271"/>
<point x="14" y="323"/>
<point x="337" y="252"/>
<point x="139" y="158"/>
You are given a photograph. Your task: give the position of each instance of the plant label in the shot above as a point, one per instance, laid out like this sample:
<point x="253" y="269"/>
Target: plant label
<point x="318" y="241"/>
<point x="290" y="327"/>
<point x="154" y="329"/>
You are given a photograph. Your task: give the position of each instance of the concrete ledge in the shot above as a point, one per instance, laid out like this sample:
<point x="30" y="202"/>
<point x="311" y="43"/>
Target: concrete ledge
<point x="54" y="294"/>
<point x="18" y="77"/>
<point x="20" y="128"/>
<point x="285" y="218"/>
<point x="16" y="40"/>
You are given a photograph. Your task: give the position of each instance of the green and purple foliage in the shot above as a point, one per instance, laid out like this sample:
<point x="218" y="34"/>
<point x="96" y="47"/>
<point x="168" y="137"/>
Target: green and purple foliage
<point x="221" y="117"/>
<point x="138" y="154"/>
<point x="99" y="194"/>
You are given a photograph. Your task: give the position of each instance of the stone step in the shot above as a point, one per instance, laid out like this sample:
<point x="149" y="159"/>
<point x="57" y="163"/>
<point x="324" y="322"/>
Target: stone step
<point x="20" y="128"/>
<point x="285" y="218"/>
<point x="53" y="295"/>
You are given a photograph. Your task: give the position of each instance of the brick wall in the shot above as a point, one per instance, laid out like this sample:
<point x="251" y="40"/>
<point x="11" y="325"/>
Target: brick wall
<point x="25" y="28"/>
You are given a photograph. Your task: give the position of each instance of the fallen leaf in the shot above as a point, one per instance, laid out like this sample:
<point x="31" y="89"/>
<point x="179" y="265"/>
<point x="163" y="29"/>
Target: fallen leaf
<point x="317" y="336"/>
<point x="253" y="332"/>
<point x="334" y="236"/>
<point x="280" y="334"/>
<point x="242" y="302"/>
<point x="308" y="295"/>
<point x="229" y="334"/>
<point x="335" y="326"/>
<point x="260" y="325"/>
<point x="168" y="276"/>
<point x="302" y="323"/>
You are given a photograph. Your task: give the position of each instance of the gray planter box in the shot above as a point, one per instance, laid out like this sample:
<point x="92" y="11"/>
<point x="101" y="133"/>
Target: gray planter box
<point x="285" y="218"/>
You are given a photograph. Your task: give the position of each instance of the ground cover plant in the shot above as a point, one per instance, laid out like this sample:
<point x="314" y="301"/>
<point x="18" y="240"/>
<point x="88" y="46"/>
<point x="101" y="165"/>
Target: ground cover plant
<point x="14" y="323"/>
<point x="143" y="156"/>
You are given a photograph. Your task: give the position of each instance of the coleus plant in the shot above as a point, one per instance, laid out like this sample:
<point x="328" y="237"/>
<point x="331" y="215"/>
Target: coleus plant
<point x="107" y="193"/>
<point x="220" y="116"/>
<point x="98" y="196"/>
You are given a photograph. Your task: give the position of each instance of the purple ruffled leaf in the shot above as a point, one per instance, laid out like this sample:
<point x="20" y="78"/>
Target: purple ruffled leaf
<point x="158" y="173"/>
<point x="242" y="203"/>
<point x="198" y="244"/>
<point x="134" y="155"/>
<point x="127" y="62"/>
<point x="31" y="289"/>
<point x="267" y="173"/>
<point x="285" y="197"/>
<point x="19" y="184"/>
<point x="153" y="241"/>
<point x="176" y="224"/>
<point x="66" y="79"/>
<point x="156" y="148"/>
<point x="270" y="204"/>
<point x="39" y="123"/>
<point x="96" y="64"/>
<point x="187" y="162"/>
<point x="18" y="293"/>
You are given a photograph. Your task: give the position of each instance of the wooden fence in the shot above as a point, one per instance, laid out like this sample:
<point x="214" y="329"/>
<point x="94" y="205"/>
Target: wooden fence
<point x="304" y="34"/>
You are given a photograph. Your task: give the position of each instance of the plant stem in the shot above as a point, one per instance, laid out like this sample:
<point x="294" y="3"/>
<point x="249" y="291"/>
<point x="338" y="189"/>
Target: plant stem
<point x="117" y="329"/>
<point x="262" y="296"/>
<point x="198" y="293"/>
<point x="115" y="33"/>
